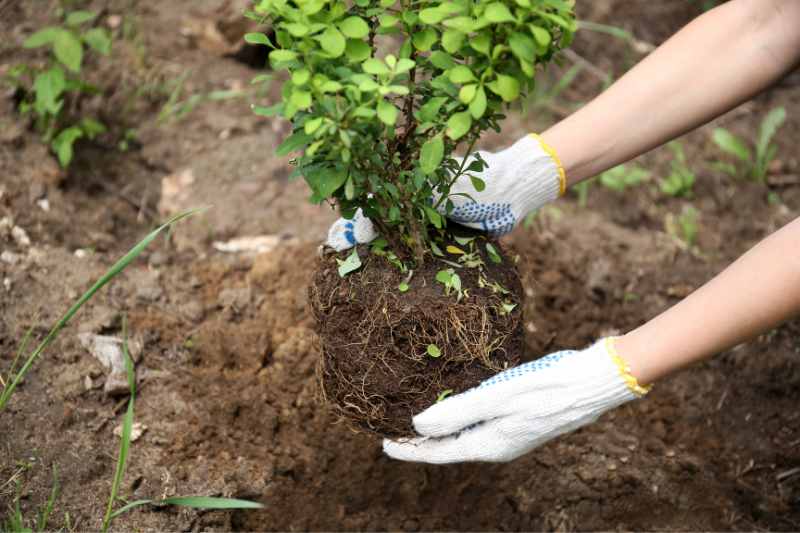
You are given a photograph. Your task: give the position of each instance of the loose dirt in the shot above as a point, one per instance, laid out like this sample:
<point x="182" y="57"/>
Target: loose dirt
<point x="227" y="387"/>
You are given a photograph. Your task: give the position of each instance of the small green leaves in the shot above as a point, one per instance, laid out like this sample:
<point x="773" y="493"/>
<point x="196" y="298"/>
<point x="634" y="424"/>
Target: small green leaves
<point x="498" y="12"/>
<point x="431" y="154"/>
<point x="461" y="74"/>
<point x="506" y="87"/>
<point x="68" y="50"/>
<point x="444" y="394"/>
<point x="433" y="216"/>
<point x="731" y="144"/>
<point x="387" y="112"/>
<point x="403" y="287"/>
<point x="494" y="256"/>
<point x="98" y="40"/>
<point x="451" y="282"/>
<point x="507" y="307"/>
<point x="351" y="264"/>
<point x="42" y="37"/>
<point x="441" y="60"/>
<point x="76" y="18"/>
<point x="257" y="38"/>
<point x="354" y="27"/>
<point x="458" y="125"/>
<point x="477" y="107"/>
<point x="425" y="39"/>
<point x="281" y="56"/>
<point x="433" y="351"/>
<point x="452" y="41"/>
<point x="375" y="66"/>
<point x="431" y="15"/>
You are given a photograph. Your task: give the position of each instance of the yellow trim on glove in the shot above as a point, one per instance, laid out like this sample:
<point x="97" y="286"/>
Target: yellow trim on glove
<point x="624" y="369"/>
<point x="562" y="176"/>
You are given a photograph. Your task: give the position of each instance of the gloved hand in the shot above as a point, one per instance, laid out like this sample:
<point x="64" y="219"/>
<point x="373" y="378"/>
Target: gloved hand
<point x="519" y="180"/>
<point x="521" y="408"/>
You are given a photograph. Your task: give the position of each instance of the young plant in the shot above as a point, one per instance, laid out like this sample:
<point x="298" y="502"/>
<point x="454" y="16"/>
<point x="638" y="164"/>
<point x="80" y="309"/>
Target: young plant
<point x="680" y="181"/>
<point x="622" y="177"/>
<point x="381" y="93"/>
<point x="683" y="227"/>
<point x="751" y="166"/>
<point x="48" y="90"/>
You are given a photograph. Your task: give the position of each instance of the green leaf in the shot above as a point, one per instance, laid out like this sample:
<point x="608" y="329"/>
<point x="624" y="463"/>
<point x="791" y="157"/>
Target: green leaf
<point x="769" y="126"/>
<point x="354" y="27"/>
<point x="312" y="125"/>
<point x="433" y="216"/>
<point x="387" y="21"/>
<point x="69" y="50"/>
<point x="42" y="37"/>
<point x="430" y="110"/>
<point x="76" y="18"/>
<point x="332" y="41"/>
<point x="91" y="127"/>
<point x="431" y="15"/>
<point x="458" y="125"/>
<point x="494" y="256"/>
<point x="467" y="93"/>
<point x="433" y="351"/>
<point x="444" y="276"/>
<point x="478" y="105"/>
<point x="481" y="43"/>
<point x="461" y="74"/>
<point x="542" y="36"/>
<point x="375" y="66"/>
<point x="452" y="41"/>
<point x="356" y="50"/>
<point x="352" y="263"/>
<point x="404" y="65"/>
<point x="296" y="29"/>
<point x="403" y="287"/>
<point x="507" y="87"/>
<point x="425" y="39"/>
<point x="301" y="77"/>
<point x="522" y="46"/>
<point x="498" y="12"/>
<point x="99" y="40"/>
<point x="48" y="87"/>
<point x="462" y="24"/>
<point x="478" y="183"/>
<point x="387" y="112"/>
<point x="508" y="307"/>
<point x="301" y="99"/>
<point x="62" y="144"/>
<point x="731" y="144"/>
<point x="257" y="38"/>
<point x="441" y="60"/>
<point x="270" y="111"/>
<point x="282" y="56"/>
<point x="431" y="154"/>
<point x="444" y="394"/>
<point x="292" y="143"/>
<point x="210" y="502"/>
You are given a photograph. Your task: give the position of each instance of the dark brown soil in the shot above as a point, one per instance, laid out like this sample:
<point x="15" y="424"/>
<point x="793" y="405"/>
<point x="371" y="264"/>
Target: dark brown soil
<point x="226" y="375"/>
<point x="375" y="370"/>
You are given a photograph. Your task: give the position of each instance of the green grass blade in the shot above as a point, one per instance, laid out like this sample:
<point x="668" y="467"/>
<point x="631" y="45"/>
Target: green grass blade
<point x="769" y="126"/>
<point x="41" y="524"/>
<point x="210" y="502"/>
<point x="128" y="506"/>
<point x="22" y="347"/>
<point x="614" y="31"/>
<point x="118" y="267"/>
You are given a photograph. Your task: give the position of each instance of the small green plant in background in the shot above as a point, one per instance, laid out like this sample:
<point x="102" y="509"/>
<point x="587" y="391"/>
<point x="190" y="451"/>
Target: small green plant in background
<point x="752" y="164"/>
<point x="623" y="177"/>
<point x="382" y="93"/>
<point x="683" y="227"/>
<point x="50" y="89"/>
<point x="680" y="180"/>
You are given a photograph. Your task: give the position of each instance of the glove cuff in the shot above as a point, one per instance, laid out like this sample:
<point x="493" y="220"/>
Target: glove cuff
<point x="623" y="368"/>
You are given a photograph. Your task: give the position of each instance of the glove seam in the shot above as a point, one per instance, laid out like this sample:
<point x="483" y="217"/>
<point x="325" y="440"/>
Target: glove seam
<point x="549" y="150"/>
<point x="624" y="370"/>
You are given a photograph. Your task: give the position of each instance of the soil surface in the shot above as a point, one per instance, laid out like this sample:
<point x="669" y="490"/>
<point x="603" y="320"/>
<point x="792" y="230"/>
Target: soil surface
<point x="226" y="353"/>
<point x="376" y="369"/>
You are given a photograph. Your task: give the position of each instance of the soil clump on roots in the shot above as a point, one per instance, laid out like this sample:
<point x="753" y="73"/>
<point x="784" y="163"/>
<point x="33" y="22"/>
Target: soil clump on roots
<point x="375" y="369"/>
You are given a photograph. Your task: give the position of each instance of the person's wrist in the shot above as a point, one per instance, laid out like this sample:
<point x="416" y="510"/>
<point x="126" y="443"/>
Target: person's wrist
<point x="635" y="354"/>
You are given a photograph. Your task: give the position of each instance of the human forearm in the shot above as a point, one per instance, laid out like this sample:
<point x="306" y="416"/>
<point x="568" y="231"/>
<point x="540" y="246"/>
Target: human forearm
<point x="712" y="65"/>
<point x="753" y="295"/>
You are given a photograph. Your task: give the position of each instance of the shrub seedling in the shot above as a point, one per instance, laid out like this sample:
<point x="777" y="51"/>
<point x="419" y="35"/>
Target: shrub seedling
<point x="622" y="177"/>
<point x="380" y="94"/>
<point x="680" y="181"/>
<point x="753" y="167"/>
<point x="46" y="89"/>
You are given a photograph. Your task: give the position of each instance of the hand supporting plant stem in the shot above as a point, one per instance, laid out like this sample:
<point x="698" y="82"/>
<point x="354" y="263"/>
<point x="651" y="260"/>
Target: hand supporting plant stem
<point x="715" y="63"/>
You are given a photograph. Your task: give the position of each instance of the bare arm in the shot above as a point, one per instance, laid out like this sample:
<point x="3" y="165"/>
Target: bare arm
<point x="716" y="62"/>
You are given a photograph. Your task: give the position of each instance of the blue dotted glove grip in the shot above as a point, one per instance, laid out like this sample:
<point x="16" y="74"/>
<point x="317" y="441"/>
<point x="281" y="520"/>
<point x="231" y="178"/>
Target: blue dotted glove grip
<point x="527" y="368"/>
<point x="495" y="218"/>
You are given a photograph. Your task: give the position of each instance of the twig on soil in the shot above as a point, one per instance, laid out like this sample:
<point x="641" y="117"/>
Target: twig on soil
<point x="786" y="474"/>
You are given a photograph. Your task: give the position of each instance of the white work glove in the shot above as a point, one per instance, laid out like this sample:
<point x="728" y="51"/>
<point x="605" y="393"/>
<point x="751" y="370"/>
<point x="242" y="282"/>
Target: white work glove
<point x="521" y="408"/>
<point x="519" y="180"/>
